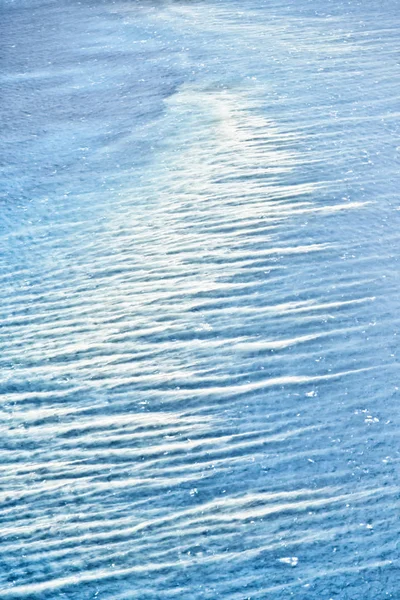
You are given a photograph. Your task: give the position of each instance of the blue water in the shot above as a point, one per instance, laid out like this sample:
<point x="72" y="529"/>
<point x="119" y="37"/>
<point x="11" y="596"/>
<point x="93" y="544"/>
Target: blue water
<point x="200" y="299"/>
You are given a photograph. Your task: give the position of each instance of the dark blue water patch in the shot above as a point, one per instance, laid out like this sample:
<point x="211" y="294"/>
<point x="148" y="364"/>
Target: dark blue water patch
<point x="76" y="114"/>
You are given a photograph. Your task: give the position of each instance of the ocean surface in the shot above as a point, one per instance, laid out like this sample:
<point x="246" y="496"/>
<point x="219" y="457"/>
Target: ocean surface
<point x="200" y="299"/>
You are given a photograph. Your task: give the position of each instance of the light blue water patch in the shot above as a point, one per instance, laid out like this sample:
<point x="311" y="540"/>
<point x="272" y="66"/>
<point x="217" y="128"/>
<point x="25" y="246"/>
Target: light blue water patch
<point x="199" y="300"/>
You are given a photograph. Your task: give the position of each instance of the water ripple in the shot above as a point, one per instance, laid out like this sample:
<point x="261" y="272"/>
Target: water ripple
<point x="198" y="300"/>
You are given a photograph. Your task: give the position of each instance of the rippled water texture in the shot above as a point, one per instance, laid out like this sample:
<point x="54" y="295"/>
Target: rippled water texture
<point x="200" y="300"/>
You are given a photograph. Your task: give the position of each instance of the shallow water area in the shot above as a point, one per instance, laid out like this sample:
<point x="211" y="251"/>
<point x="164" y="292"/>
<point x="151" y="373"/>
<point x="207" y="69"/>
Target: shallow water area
<point x="199" y="300"/>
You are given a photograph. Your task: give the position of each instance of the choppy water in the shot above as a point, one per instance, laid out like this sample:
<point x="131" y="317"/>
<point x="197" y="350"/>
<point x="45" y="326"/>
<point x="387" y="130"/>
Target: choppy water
<point x="200" y="300"/>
